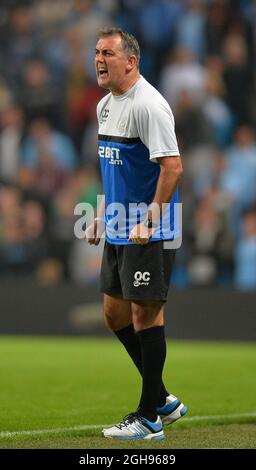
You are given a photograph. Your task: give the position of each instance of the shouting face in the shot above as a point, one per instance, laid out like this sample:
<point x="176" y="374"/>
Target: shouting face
<point x="113" y="67"/>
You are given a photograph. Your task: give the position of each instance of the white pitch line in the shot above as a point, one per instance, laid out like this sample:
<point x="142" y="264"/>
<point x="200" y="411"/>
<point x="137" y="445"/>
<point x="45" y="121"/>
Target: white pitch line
<point x="214" y="417"/>
<point x="52" y="431"/>
<point x="85" y="427"/>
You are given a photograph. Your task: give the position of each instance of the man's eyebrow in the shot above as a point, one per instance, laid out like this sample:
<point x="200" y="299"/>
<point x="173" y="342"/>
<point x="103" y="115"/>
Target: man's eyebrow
<point x="106" y="49"/>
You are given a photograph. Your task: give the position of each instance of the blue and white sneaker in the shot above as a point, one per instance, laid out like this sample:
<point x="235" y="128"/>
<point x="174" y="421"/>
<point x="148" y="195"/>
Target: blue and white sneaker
<point x="135" y="426"/>
<point x="172" y="410"/>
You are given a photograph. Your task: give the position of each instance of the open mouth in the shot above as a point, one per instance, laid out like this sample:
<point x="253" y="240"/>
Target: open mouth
<point x="102" y="72"/>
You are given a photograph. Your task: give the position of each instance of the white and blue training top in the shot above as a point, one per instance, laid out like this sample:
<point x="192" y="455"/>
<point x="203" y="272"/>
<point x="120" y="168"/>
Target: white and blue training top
<point x="135" y="129"/>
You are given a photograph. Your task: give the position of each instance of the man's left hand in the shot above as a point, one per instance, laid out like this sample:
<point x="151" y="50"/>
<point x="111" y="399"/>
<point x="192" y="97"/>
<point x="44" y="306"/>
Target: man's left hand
<point x="140" y="234"/>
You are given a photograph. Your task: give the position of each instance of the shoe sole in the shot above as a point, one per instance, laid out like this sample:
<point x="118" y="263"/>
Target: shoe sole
<point x="180" y="411"/>
<point x="158" y="436"/>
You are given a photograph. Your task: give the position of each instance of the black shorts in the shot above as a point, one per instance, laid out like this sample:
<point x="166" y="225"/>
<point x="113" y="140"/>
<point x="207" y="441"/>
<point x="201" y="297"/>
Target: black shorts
<point x="137" y="272"/>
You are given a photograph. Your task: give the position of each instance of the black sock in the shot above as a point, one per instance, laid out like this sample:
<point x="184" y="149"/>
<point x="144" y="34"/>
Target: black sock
<point x="153" y="350"/>
<point x="129" y="339"/>
<point x="131" y="342"/>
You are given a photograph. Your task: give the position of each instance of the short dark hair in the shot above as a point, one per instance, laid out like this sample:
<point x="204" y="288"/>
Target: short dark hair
<point x="130" y="44"/>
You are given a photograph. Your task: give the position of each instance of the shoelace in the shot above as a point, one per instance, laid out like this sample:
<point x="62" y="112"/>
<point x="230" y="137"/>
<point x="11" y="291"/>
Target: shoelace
<point x="129" y="419"/>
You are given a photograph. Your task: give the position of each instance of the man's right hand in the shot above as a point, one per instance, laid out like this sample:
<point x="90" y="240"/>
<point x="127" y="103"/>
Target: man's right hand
<point x="94" y="231"/>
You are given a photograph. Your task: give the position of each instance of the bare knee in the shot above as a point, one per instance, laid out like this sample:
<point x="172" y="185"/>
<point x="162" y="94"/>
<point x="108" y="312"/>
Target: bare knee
<point x="117" y="313"/>
<point x="111" y="319"/>
<point x="147" y="315"/>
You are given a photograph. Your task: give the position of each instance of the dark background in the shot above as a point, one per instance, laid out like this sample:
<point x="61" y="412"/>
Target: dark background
<point x="68" y="310"/>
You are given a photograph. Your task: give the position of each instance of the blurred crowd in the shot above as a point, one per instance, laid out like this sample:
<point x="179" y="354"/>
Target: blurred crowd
<point x="201" y="55"/>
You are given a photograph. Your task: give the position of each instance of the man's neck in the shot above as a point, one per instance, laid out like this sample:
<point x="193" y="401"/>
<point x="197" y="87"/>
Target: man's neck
<point x="126" y="86"/>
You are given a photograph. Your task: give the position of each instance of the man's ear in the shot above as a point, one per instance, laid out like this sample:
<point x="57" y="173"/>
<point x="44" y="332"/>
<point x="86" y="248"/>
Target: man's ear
<point x="131" y="63"/>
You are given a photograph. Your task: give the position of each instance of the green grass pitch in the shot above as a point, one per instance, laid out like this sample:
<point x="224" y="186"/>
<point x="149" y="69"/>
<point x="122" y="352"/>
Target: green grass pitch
<point x="57" y="392"/>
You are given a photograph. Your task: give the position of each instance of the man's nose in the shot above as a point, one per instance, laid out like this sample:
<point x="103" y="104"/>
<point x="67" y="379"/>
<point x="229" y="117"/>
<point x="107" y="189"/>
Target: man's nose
<point x="99" y="58"/>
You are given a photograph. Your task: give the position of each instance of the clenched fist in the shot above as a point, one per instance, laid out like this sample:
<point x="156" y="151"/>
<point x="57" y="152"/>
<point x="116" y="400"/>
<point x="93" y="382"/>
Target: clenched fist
<point x="95" y="230"/>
